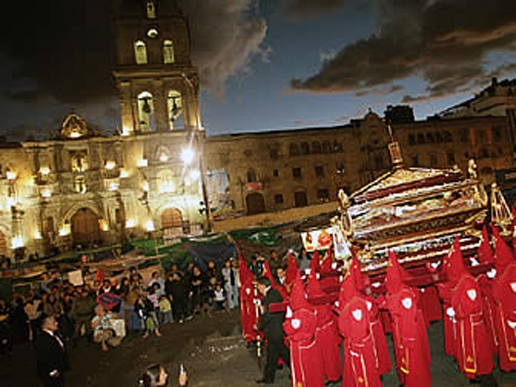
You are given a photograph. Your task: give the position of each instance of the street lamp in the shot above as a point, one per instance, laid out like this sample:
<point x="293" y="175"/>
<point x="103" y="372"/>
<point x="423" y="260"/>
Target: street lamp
<point x="188" y="154"/>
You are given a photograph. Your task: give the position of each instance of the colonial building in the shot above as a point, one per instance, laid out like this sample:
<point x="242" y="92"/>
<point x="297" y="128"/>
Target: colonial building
<point x="494" y="100"/>
<point x="156" y="175"/>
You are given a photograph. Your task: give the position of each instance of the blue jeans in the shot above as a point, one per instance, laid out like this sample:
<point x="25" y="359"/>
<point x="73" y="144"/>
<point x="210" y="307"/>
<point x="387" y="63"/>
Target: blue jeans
<point x="166" y="317"/>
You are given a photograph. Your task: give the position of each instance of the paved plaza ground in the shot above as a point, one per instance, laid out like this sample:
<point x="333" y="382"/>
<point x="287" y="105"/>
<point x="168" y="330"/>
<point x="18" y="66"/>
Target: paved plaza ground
<point x="210" y="348"/>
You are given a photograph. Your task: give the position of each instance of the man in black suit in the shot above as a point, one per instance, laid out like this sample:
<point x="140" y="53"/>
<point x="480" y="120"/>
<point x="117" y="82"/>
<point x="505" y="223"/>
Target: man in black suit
<point x="272" y="326"/>
<point x="52" y="359"/>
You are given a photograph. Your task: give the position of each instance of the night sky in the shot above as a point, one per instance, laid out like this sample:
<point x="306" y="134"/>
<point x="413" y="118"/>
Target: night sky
<point x="264" y="64"/>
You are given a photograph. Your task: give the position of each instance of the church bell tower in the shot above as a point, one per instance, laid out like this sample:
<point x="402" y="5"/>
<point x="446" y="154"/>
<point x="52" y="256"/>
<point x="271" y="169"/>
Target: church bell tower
<point x="157" y="84"/>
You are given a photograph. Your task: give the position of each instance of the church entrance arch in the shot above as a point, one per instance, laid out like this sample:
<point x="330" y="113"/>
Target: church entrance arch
<point x="172" y="222"/>
<point x="255" y="203"/>
<point x="85" y="227"/>
<point x="3" y="244"/>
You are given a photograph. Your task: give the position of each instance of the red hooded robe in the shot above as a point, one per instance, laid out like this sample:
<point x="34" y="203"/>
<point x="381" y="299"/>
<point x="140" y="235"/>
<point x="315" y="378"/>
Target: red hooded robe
<point x="348" y="290"/>
<point x="453" y="266"/>
<point x="504" y="292"/>
<point x="472" y="334"/>
<point x="410" y="338"/>
<point x="248" y="295"/>
<point x="305" y="359"/>
<point x="360" y="356"/>
<point x="486" y="257"/>
<point x="327" y="336"/>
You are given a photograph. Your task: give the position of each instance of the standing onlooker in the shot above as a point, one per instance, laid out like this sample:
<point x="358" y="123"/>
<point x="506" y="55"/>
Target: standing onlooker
<point x="33" y="310"/>
<point x="176" y="291"/>
<point x="230" y="278"/>
<point x="165" y="310"/>
<point x="20" y="329"/>
<point x="257" y="264"/>
<point x="145" y="310"/>
<point x="52" y="360"/>
<point x="157" y="279"/>
<point x="198" y="288"/>
<point x="82" y="310"/>
<point x="212" y="272"/>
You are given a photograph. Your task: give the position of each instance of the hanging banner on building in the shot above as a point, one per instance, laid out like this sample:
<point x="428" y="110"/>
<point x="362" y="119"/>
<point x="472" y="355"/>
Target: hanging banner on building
<point x="317" y="239"/>
<point x="255" y="186"/>
<point x="218" y="191"/>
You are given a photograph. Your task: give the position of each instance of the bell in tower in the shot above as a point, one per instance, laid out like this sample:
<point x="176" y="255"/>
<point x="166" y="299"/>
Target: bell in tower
<point x="156" y="81"/>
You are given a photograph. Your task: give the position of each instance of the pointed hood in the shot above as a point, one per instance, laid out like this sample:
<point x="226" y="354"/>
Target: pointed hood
<point x="298" y="296"/>
<point x="348" y="290"/>
<point x="503" y="254"/>
<point x="315" y="265"/>
<point x="394" y="279"/>
<point x="485" y="253"/>
<point x="267" y="271"/>
<point x="326" y="263"/>
<point x="243" y="271"/>
<point x="315" y="293"/>
<point x="292" y="273"/>
<point x="356" y="271"/>
<point x="455" y="267"/>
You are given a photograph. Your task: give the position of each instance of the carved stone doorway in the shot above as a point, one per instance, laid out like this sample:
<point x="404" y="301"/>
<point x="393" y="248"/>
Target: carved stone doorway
<point x="3" y="244"/>
<point x="85" y="227"/>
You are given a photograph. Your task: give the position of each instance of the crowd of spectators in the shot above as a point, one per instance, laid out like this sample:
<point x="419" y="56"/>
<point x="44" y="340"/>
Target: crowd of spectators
<point x="104" y="310"/>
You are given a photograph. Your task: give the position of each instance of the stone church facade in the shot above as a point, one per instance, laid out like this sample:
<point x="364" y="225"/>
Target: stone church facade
<point x="155" y="176"/>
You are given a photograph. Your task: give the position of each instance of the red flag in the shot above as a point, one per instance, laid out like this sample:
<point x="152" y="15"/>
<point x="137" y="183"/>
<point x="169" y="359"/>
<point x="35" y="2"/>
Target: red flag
<point x="243" y="271"/>
<point x="503" y="254"/>
<point x="315" y="265"/>
<point x="485" y="253"/>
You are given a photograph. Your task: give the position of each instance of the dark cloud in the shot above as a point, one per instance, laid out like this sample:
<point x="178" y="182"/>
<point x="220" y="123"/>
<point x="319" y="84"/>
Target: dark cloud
<point x="303" y="9"/>
<point x="379" y="91"/>
<point x="444" y="42"/>
<point x="227" y="34"/>
<point x="67" y="49"/>
<point x="459" y="80"/>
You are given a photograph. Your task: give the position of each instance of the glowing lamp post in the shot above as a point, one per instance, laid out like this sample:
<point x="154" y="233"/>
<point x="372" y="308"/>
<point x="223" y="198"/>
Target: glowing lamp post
<point x="188" y="156"/>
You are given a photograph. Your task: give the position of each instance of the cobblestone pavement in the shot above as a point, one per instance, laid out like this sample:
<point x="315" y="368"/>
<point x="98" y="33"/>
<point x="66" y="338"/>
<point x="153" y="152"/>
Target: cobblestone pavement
<point x="213" y="353"/>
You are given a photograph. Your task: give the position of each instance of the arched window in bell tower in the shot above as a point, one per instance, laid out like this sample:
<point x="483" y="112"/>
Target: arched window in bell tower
<point x="146" y="112"/>
<point x="151" y="9"/>
<point x="140" y="52"/>
<point x="168" y="52"/>
<point x="175" y="109"/>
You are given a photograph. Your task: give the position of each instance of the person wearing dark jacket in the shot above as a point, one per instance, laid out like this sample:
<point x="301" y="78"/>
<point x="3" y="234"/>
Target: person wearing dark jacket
<point x="176" y="291"/>
<point x="52" y="359"/>
<point x="272" y="326"/>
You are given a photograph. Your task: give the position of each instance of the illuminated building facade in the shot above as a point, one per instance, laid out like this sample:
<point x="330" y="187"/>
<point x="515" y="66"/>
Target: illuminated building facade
<point x="82" y="188"/>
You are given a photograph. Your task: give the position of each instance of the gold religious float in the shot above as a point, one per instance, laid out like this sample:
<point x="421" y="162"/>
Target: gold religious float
<point x="416" y="212"/>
